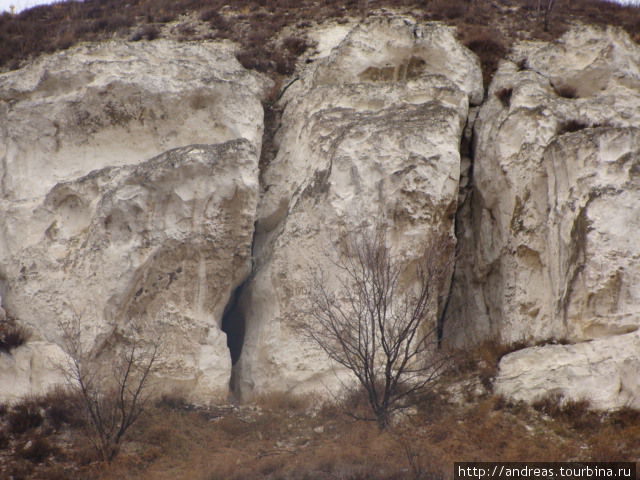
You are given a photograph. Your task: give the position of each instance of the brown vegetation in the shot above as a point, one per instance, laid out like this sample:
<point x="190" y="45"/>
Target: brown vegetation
<point x="287" y="437"/>
<point x="504" y="95"/>
<point x="111" y="399"/>
<point x="256" y="24"/>
<point x="12" y="335"/>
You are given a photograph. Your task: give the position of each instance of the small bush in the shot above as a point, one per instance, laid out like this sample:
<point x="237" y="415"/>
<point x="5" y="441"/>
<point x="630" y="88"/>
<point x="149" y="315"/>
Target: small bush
<point x="295" y="45"/>
<point x="24" y="416"/>
<point x="173" y="401"/>
<point x="577" y="413"/>
<point x="254" y="59"/>
<point x="37" y="450"/>
<point x="571" y="126"/>
<point x="504" y="95"/>
<point x="147" y="32"/>
<point x="61" y="408"/>
<point x="566" y="91"/>
<point x="12" y="336"/>
<point x="489" y="47"/>
<point x="625" y="417"/>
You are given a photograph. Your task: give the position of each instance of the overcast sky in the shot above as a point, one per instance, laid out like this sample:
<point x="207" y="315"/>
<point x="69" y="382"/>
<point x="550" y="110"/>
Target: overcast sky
<point x="22" y="4"/>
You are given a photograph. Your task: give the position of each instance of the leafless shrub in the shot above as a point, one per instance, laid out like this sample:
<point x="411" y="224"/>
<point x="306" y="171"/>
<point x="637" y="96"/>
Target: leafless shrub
<point x="112" y="399"/>
<point x="504" y="95"/>
<point x="381" y="330"/>
<point x="572" y="126"/>
<point x="12" y="335"/>
<point x="24" y="416"/>
<point x="566" y="91"/>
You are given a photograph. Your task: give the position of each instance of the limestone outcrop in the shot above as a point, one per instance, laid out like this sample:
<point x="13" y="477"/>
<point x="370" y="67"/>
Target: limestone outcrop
<point x="549" y="247"/>
<point x="370" y="133"/>
<point x="99" y="225"/>
<point x="119" y="103"/>
<point x="131" y="201"/>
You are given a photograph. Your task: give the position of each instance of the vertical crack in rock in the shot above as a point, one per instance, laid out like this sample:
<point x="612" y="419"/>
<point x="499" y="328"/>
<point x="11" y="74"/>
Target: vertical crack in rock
<point x="449" y="327"/>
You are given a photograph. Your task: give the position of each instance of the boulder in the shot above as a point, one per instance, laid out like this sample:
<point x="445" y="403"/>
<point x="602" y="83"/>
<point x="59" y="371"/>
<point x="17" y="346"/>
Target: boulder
<point x="602" y="371"/>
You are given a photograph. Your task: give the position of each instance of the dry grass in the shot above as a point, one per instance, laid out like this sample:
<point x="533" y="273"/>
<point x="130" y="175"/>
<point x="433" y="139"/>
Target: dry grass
<point x="256" y="24"/>
<point x="504" y="95"/>
<point x="571" y="126"/>
<point x="287" y="437"/>
<point x="12" y="335"/>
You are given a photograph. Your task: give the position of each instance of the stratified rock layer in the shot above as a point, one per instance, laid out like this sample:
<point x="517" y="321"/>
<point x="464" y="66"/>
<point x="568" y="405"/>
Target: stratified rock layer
<point x="550" y="247"/>
<point x="96" y="231"/>
<point x="369" y="134"/>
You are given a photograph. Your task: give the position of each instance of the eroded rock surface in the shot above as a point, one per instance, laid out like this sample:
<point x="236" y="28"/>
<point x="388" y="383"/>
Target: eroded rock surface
<point x="129" y="193"/>
<point x="371" y="133"/>
<point x="155" y="249"/>
<point x="119" y="103"/>
<point x="94" y="228"/>
<point x="550" y="246"/>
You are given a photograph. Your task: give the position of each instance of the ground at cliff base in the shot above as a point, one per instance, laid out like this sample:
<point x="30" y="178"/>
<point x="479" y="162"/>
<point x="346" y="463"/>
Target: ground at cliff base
<point x="285" y="437"/>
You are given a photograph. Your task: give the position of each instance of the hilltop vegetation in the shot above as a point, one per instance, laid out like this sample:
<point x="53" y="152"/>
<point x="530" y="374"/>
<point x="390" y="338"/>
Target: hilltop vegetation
<point x="271" y="32"/>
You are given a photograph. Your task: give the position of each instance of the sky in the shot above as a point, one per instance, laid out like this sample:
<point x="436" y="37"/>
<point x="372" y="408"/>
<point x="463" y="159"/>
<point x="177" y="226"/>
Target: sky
<point x="22" y="4"/>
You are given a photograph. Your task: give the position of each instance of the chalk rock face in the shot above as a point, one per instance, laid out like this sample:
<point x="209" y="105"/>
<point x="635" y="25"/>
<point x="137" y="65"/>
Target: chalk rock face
<point x="32" y="368"/>
<point x="118" y="103"/>
<point x="370" y="133"/>
<point x="550" y="250"/>
<point x="153" y="250"/>
<point x="95" y="228"/>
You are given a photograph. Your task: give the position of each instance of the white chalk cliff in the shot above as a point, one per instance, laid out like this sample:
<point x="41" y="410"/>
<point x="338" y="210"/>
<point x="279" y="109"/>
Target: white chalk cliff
<point x="129" y="193"/>
<point x="549" y="238"/>
<point x="370" y="133"/>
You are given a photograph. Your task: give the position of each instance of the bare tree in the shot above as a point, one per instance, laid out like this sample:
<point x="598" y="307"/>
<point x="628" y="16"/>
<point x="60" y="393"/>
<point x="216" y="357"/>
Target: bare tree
<point x="112" y="397"/>
<point x="376" y="323"/>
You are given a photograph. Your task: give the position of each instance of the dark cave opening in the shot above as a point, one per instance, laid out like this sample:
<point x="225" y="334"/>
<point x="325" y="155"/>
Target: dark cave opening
<point x="233" y="325"/>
